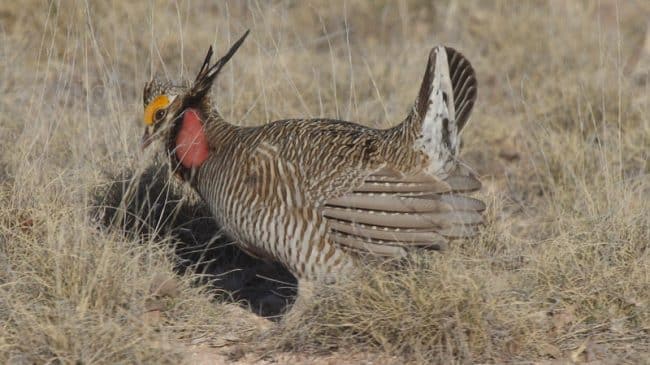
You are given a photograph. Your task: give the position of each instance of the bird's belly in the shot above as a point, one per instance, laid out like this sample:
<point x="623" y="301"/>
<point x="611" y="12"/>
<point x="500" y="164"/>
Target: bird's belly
<point x="296" y="237"/>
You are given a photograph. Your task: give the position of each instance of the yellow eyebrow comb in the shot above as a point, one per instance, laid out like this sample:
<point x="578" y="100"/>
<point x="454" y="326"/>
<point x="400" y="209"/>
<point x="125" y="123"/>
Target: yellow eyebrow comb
<point x="151" y="109"/>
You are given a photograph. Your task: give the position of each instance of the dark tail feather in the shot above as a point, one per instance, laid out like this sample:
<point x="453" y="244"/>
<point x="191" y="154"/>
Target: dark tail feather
<point x="422" y="102"/>
<point x="463" y="83"/>
<point x="463" y="80"/>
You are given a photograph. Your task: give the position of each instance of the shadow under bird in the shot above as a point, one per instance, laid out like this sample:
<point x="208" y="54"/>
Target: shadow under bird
<point x="319" y="195"/>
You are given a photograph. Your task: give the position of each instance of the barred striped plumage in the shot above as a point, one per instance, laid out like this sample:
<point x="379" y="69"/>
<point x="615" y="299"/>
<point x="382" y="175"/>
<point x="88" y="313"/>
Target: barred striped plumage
<point x="318" y="194"/>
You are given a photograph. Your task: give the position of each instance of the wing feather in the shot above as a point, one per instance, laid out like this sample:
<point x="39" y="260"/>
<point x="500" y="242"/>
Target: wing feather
<point x="374" y="247"/>
<point x="391" y="211"/>
<point x="400" y="236"/>
<point x="389" y="203"/>
<point x="403" y="220"/>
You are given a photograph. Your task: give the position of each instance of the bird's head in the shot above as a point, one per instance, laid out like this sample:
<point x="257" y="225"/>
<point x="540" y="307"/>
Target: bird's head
<point x="158" y="96"/>
<point x="175" y="114"/>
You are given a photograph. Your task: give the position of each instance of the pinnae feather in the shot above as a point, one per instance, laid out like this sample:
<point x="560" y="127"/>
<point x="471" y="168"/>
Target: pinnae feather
<point x="207" y="73"/>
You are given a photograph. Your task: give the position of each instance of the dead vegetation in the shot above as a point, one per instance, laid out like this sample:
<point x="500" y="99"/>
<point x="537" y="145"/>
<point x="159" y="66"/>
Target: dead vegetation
<point x="561" y="135"/>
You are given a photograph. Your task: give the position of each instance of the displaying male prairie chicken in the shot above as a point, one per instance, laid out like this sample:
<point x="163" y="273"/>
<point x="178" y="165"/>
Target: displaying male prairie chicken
<point x="318" y="195"/>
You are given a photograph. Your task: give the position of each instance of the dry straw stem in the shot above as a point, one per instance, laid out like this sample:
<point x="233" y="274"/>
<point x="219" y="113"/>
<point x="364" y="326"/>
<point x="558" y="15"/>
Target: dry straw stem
<point x="560" y="134"/>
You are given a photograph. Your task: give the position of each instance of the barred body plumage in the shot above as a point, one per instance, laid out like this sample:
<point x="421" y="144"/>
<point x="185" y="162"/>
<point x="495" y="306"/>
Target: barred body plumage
<point x="319" y="194"/>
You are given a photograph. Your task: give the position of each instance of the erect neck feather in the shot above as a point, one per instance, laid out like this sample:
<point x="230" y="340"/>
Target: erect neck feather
<point x="217" y="130"/>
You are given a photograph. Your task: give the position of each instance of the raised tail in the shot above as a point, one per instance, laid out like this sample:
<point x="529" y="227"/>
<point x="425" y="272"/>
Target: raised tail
<point x="394" y="209"/>
<point x="442" y="108"/>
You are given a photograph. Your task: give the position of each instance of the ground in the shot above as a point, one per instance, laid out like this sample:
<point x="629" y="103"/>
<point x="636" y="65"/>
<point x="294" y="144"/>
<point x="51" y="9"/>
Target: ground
<point x="106" y="259"/>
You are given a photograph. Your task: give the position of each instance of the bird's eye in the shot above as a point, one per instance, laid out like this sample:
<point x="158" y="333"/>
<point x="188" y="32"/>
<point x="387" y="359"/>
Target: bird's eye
<point x="160" y="114"/>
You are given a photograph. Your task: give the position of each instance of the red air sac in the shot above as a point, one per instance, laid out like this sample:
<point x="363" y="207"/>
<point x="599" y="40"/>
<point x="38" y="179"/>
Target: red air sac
<point x="191" y="143"/>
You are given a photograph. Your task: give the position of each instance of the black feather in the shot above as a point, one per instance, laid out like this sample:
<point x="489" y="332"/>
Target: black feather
<point x="207" y="74"/>
<point x="465" y="85"/>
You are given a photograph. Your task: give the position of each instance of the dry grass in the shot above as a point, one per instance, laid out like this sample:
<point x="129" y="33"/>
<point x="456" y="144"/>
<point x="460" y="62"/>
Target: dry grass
<point x="561" y="135"/>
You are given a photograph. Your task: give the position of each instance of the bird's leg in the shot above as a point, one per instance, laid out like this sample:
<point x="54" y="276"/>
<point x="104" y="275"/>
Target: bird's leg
<point x="306" y="289"/>
<point x="304" y="299"/>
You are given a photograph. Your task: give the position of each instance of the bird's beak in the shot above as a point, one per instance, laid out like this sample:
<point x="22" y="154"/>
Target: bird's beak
<point x="147" y="137"/>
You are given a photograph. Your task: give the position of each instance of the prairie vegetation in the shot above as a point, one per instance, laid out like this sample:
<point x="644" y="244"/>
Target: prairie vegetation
<point x="105" y="260"/>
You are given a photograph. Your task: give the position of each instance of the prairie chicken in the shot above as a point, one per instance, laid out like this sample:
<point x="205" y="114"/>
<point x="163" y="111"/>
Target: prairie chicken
<point x="320" y="194"/>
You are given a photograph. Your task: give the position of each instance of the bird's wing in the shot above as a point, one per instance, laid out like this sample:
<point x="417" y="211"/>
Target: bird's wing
<point x="390" y="211"/>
